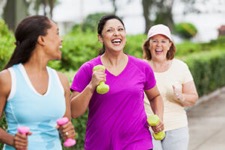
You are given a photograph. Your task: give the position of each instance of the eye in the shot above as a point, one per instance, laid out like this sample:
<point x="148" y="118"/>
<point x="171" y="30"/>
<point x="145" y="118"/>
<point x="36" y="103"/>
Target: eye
<point x="163" y="41"/>
<point x="154" y="41"/>
<point x="121" y="29"/>
<point x="109" y="30"/>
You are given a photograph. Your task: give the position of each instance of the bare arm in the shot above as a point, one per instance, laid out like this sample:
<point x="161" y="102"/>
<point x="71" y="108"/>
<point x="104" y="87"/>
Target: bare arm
<point x="80" y="101"/>
<point x="5" y="87"/>
<point x="189" y="94"/>
<point x="66" y="87"/>
<point x="157" y="106"/>
<point x="67" y="128"/>
<point x="155" y="101"/>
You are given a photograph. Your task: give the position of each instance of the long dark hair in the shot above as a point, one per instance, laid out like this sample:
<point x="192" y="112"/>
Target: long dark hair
<point x="26" y="35"/>
<point x="101" y="25"/>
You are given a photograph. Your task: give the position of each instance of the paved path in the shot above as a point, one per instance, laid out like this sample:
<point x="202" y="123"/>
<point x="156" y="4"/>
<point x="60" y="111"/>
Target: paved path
<point x="207" y="123"/>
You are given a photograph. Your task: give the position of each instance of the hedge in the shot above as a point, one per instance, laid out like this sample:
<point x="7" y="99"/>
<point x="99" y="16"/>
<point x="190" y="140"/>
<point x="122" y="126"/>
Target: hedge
<point x="207" y="66"/>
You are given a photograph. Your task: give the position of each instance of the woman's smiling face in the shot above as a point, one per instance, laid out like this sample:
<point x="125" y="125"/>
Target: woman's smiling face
<point x="159" y="45"/>
<point x="113" y="35"/>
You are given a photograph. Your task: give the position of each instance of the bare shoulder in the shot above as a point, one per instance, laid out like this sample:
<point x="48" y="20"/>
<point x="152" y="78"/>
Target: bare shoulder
<point x="5" y="82"/>
<point x="63" y="78"/>
<point x="5" y="76"/>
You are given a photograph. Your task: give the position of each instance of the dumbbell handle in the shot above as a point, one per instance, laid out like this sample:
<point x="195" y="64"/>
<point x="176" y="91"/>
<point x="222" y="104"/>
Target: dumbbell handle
<point x="69" y="142"/>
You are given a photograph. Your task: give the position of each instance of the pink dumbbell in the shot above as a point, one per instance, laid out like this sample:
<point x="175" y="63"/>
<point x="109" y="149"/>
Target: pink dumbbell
<point x="23" y="130"/>
<point x="69" y="142"/>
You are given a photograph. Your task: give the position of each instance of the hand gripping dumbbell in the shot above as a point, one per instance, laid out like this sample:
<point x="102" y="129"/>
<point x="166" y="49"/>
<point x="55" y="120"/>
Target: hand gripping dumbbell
<point x="23" y="130"/>
<point x="69" y="142"/>
<point x="102" y="88"/>
<point x="153" y="120"/>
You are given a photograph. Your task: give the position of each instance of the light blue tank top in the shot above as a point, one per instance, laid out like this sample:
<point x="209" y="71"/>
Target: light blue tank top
<point x="26" y="107"/>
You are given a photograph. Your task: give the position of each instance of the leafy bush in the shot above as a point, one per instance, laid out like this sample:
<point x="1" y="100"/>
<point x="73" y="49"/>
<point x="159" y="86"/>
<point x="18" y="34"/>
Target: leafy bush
<point x="186" y="30"/>
<point x="205" y="62"/>
<point x="134" y="45"/>
<point x="7" y="44"/>
<point x="91" y="22"/>
<point x="3" y="125"/>
<point x="207" y="69"/>
<point x="216" y="43"/>
<point x="187" y="47"/>
<point x="78" y="47"/>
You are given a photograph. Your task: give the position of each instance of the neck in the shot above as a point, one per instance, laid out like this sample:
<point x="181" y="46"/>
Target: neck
<point x="160" y="66"/>
<point x="114" y="60"/>
<point x="37" y="61"/>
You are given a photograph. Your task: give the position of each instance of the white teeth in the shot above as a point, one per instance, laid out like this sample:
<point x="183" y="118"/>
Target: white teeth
<point x="116" y="41"/>
<point x="60" y="46"/>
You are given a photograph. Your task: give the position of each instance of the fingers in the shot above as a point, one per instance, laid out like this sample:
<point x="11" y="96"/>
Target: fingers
<point x="97" y="77"/>
<point x="177" y="93"/>
<point x="158" y="128"/>
<point x="67" y="130"/>
<point x="20" y="141"/>
<point x="100" y="75"/>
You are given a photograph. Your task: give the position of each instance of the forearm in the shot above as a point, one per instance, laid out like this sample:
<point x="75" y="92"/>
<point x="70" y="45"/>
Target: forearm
<point x="6" y="138"/>
<point x="157" y="106"/>
<point x="189" y="100"/>
<point x="80" y="102"/>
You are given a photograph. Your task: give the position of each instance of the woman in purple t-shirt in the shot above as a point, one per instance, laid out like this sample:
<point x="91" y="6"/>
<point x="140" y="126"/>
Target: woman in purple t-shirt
<point x="117" y="119"/>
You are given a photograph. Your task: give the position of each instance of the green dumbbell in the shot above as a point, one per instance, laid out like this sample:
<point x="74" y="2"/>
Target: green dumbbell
<point x="102" y="88"/>
<point x="153" y="120"/>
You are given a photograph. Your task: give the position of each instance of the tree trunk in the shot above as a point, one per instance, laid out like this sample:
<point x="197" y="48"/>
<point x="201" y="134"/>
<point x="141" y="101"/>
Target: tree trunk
<point x="14" y="12"/>
<point x="114" y="6"/>
<point x="146" y="5"/>
<point x="51" y="6"/>
<point x="164" y="14"/>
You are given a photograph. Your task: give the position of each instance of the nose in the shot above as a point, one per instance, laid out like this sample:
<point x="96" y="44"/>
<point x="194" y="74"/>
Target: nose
<point x="115" y="32"/>
<point x="159" y="42"/>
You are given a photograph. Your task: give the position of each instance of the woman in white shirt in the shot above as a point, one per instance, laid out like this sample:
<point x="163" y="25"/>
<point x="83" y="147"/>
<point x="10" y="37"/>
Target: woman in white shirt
<point x="176" y="86"/>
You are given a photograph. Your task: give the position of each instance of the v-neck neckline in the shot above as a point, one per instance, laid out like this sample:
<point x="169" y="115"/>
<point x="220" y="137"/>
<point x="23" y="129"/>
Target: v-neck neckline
<point x="124" y="69"/>
<point x="27" y="79"/>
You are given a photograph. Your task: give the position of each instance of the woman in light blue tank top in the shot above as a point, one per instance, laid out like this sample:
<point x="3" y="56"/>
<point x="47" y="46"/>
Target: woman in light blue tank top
<point x="32" y="94"/>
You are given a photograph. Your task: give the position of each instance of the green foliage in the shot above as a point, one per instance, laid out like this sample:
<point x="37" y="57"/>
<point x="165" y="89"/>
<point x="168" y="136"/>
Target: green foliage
<point x="205" y="60"/>
<point x="133" y="46"/>
<point x="3" y="125"/>
<point x="91" y="22"/>
<point x="80" y="127"/>
<point x="7" y="44"/>
<point x="186" y="30"/>
<point x="187" y="47"/>
<point x="217" y="43"/>
<point x="78" y="47"/>
<point x="3" y="28"/>
<point x="207" y="69"/>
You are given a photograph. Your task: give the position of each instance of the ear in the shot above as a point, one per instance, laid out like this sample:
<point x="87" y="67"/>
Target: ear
<point x="100" y="38"/>
<point x="41" y="40"/>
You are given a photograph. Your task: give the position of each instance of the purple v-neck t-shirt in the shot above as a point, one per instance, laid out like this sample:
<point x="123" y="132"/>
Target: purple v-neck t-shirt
<point x="117" y="119"/>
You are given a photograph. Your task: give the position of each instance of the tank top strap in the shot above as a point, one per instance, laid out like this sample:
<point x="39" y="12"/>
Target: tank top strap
<point x="55" y="80"/>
